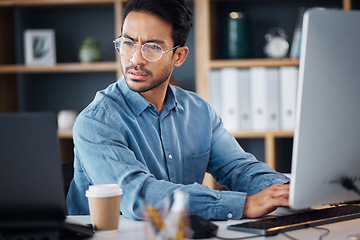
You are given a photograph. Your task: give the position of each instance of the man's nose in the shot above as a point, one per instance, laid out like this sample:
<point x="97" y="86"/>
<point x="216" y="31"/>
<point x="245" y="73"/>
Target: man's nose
<point x="137" y="57"/>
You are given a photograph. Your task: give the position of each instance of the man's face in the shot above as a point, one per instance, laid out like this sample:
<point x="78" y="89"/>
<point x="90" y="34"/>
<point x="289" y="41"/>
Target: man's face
<point x="140" y="74"/>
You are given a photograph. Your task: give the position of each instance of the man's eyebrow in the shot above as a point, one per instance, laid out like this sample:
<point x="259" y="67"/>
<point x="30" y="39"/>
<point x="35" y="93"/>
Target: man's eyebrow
<point x="156" y="41"/>
<point x="150" y="40"/>
<point x="127" y="36"/>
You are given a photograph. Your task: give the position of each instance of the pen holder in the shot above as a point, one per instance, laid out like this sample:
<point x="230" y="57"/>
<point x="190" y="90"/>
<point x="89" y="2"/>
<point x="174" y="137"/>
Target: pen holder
<point x="179" y="231"/>
<point x="171" y="223"/>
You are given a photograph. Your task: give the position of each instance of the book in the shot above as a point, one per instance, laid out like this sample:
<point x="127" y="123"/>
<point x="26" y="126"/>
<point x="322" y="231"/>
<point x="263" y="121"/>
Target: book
<point x="296" y="41"/>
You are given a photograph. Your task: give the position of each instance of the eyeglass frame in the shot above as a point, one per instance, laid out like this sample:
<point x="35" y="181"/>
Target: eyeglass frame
<point x="142" y="47"/>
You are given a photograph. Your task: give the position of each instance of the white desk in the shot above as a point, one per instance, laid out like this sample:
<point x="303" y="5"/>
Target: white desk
<point x="139" y="230"/>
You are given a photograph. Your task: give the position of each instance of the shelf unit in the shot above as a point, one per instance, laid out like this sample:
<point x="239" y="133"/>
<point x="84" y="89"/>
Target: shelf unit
<point x="207" y="14"/>
<point x="8" y="64"/>
<point x="60" y="68"/>
<point x="205" y="30"/>
<point x="10" y="68"/>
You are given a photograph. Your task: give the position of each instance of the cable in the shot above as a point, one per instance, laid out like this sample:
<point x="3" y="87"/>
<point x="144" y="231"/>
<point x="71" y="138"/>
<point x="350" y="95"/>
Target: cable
<point x="288" y="236"/>
<point x="348" y="183"/>
<point x="315" y="227"/>
<point x="322" y="228"/>
<point x="327" y="231"/>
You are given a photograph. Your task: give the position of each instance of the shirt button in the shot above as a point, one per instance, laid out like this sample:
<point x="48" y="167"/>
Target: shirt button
<point x="229" y="215"/>
<point x="170" y="156"/>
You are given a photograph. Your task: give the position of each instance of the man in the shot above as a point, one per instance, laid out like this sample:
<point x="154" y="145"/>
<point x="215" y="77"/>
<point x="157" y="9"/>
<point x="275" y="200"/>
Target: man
<point x="152" y="138"/>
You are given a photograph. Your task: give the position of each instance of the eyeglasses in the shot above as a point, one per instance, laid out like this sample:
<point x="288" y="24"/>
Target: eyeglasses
<point x="150" y="51"/>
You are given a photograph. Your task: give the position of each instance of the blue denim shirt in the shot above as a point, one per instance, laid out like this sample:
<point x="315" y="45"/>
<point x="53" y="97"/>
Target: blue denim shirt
<point x="121" y="138"/>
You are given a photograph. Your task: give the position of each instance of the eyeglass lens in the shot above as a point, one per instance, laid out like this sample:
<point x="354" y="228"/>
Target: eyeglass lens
<point x="150" y="51"/>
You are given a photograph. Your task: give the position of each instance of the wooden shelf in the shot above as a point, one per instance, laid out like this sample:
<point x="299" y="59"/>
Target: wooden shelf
<point x="270" y="138"/>
<point x="238" y="134"/>
<point x="263" y="134"/>
<point x="61" y="68"/>
<point x="247" y="63"/>
<point x="10" y="68"/>
<point x="65" y="134"/>
<point x="206" y="17"/>
<point x="54" y="3"/>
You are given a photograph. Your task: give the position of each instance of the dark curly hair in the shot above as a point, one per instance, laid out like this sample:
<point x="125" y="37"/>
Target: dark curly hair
<point x="174" y="11"/>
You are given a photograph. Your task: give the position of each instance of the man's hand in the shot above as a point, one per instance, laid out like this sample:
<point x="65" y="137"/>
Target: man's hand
<point x="267" y="200"/>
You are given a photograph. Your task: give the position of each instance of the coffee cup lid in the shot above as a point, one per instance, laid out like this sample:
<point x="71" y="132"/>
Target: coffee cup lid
<point x="104" y="190"/>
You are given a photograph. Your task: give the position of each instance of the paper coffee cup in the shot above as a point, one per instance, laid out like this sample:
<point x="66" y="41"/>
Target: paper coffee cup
<point x="104" y="205"/>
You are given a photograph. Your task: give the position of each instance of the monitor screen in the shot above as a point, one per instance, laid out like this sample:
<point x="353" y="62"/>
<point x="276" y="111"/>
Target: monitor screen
<point x="30" y="167"/>
<point x="327" y="135"/>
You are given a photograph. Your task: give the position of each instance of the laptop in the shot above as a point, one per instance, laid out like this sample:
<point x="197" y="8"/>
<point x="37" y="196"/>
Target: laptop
<point x="32" y="189"/>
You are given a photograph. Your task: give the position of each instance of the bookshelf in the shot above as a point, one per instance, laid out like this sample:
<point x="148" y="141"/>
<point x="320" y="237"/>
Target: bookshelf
<point x="13" y="71"/>
<point x="60" y="68"/>
<point x="11" y="65"/>
<point x="253" y="63"/>
<point x="208" y="38"/>
<point x="207" y="28"/>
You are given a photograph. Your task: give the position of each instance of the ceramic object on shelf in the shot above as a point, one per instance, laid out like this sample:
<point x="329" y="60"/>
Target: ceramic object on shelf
<point x="66" y="119"/>
<point x="238" y="43"/>
<point x="89" y="51"/>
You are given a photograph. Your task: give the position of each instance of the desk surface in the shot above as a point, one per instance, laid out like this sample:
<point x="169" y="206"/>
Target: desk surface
<point x="139" y="230"/>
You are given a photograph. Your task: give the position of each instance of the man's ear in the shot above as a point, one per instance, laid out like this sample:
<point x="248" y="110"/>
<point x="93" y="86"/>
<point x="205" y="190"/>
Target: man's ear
<point x="180" y="55"/>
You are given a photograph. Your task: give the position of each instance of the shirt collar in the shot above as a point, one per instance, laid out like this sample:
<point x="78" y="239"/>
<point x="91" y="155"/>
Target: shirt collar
<point x="172" y="100"/>
<point x="138" y="104"/>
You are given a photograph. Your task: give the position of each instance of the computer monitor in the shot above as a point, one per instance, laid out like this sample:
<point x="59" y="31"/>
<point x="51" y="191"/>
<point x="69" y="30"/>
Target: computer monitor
<point x="327" y="135"/>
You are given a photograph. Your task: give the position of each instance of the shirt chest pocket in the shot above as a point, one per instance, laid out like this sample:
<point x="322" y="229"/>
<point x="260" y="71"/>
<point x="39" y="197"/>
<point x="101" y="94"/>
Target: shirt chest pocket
<point x="195" y="167"/>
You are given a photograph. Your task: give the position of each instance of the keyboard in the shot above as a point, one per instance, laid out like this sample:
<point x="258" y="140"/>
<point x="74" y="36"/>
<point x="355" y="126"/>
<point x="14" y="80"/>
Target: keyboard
<point x="274" y="225"/>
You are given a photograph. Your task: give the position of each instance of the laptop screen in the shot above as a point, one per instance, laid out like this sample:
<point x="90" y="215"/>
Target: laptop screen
<point x="30" y="167"/>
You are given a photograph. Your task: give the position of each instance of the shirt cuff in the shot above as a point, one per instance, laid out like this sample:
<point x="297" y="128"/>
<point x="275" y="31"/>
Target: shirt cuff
<point x="231" y="205"/>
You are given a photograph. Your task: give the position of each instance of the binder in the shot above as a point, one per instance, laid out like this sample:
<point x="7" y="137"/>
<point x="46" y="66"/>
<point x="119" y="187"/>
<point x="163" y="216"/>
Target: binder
<point x="258" y="98"/>
<point x="215" y="91"/>
<point x="288" y="86"/>
<point x="273" y="99"/>
<point x="230" y="96"/>
<point x="244" y="98"/>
